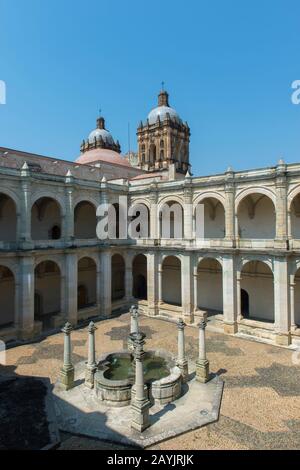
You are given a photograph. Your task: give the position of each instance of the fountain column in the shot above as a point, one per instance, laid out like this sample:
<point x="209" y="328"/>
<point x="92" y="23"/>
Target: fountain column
<point x="134" y="325"/>
<point x="67" y="371"/>
<point x="182" y="363"/>
<point x="91" y="366"/>
<point x="140" y="403"/>
<point x="202" y="364"/>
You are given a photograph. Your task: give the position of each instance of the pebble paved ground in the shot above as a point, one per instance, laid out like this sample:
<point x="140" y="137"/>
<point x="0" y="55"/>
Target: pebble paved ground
<point x="261" y="401"/>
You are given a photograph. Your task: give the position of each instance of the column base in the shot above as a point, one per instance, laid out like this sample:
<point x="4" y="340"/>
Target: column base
<point x="89" y="377"/>
<point x="184" y="369"/>
<point x="140" y="414"/>
<point x="66" y="378"/>
<point x="230" y="328"/>
<point x="283" y="339"/>
<point x="202" y="370"/>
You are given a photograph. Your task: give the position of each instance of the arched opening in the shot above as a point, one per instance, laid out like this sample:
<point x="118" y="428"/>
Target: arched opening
<point x="7" y="297"/>
<point x="295" y="217"/>
<point x="257" y="282"/>
<point x="45" y="216"/>
<point x="152" y="153"/>
<point x="171" y="220"/>
<point x="87" y="283"/>
<point x="140" y="229"/>
<point x="210" y="286"/>
<point x="297" y="298"/>
<point x="244" y="303"/>
<point x="256" y="217"/>
<point x="8" y="219"/>
<point x="85" y="221"/>
<point x="214" y="219"/>
<point x="171" y="281"/>
<point x="139" y="272"/>
<point x="117" y="277"/>
<point x="47" y="292"/>
<point x="161" y="155"/>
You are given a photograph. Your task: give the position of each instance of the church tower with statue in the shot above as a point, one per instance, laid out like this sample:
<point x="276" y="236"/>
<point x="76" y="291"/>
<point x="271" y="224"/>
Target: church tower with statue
<point x="163" y="140"/>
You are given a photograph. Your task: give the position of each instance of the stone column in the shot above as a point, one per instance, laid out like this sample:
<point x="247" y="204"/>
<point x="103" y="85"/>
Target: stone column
<point x="229" y="294"/>
<point x="281" y="301"/>
<point x="182" y="362"/>
<point x="26" y="299"/>
<point x="69" y="219"/>
<point x="187" y="288"/>
<point x="154" y="216"/>
<point x="105" y="259"/>
<point x="134" y="326"/>
<point x="160" y="275"/>
<point x="292" y="302"/>
<point x="71" y="287"/>
<point x="91" y="366"/>
<point x="128" y="278"/>
<point x="140" y="403"/>
<point x="229" y="208"/>
<point x="67" y="371"/>
<point x="238" y="297"/>
<point x="152" y="283"/>
<point x="281" y="205"/>
<point x="202" y="364"/>
<point x="195" y="288"/>
<point x="188" y="209"/>
<point x="24" y="227"/>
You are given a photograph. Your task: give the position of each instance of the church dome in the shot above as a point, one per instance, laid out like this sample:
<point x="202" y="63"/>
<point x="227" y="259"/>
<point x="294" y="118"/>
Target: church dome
<point x="163" y="110"/>
<point x="98" y="155"/>
<point x="100" y="133"/>
<point x="99" y="139"/>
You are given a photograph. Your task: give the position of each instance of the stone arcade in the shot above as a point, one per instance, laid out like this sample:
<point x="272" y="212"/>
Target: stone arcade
<point x="244" y="275"/>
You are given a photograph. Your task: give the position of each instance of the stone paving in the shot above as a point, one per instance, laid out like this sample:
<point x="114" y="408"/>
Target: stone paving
<point x="261" y="401"/>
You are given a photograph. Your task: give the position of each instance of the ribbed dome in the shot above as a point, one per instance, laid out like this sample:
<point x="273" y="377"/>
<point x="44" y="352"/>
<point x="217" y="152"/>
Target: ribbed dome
<point x="163" y="109"/>
<point x="106" y="136"/>
<point x="162" y="112"/>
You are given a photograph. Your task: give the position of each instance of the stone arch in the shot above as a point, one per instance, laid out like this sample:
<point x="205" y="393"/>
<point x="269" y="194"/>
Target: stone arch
<point x="139" y="274"/>
<point x="7" y="296"/>
<point x="143" y="229"/>
<point x="47" y="289"/>
<point x="258" y="281"/>
<point x="210" y="285"/>
<point x="87" y="282"/>
<point x="256" y="216"/>
<point x="214" y="217"/>
<point x="171" y="280"/>
<point x="171" y="218"/>
<point x="46" y="219"/>
<point x="117" y="277"/>
<point x="8" y="218"/>
<point x="85" y="220"/>
<point x="294" y="209"/>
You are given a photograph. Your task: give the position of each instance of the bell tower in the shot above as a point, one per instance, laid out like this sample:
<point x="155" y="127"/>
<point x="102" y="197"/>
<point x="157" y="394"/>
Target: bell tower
<point x="163" y="139"/>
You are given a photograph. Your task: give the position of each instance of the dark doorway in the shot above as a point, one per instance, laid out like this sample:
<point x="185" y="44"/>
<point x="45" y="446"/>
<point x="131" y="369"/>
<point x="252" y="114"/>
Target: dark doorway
<point x="82" y="296"/>
<point x="140" y="287"/>
<point x="244" y="303"/>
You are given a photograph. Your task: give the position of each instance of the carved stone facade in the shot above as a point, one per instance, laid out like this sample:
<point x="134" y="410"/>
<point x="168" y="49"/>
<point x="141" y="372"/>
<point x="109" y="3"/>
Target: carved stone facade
<point x="163" y="139"/>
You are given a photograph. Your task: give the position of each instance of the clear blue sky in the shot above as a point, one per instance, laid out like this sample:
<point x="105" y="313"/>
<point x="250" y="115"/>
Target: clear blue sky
<point x="228" y="66"/>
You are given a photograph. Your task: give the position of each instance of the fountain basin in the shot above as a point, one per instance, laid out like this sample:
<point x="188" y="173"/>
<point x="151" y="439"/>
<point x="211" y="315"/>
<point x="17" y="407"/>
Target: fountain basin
<point x="115" y="376"/>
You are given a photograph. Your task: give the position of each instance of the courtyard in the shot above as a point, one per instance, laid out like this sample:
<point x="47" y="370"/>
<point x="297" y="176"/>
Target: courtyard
<point x="261" y="400"/>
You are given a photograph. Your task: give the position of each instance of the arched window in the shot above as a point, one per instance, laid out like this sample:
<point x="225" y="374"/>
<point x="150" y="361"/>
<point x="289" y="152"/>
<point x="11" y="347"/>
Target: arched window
<point x="162" y="144"/>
